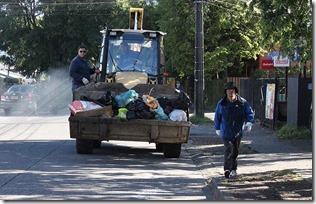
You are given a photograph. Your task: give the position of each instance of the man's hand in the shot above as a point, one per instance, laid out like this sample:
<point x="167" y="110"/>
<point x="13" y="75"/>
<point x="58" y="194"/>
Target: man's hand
<point x="85" y="81"/>
<point x="248" y="126"/>
<point x="97" y="71"/>
<point x="218" y="132"/>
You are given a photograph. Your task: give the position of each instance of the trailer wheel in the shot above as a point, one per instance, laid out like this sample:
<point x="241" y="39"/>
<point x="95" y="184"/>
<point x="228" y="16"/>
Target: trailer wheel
<point x="84" y="146"/>
<point x="172" y="150"/>
<point x="159" y="147"/>
<point x="96" y="143"/>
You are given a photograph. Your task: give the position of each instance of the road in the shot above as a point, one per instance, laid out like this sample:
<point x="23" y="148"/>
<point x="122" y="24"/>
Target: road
<point x="38" y="161"/>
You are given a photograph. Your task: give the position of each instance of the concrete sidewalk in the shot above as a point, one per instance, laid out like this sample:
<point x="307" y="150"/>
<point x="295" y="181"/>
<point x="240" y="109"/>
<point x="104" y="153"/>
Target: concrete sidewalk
<point x="261" y="151"/>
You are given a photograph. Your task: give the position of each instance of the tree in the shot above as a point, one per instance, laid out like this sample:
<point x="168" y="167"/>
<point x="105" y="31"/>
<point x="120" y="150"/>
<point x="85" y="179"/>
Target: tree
<point x="177" y="20"/>
<point x="230" y="36"/>
<point x="286" y="23"/>
<point x="44" y="33"/>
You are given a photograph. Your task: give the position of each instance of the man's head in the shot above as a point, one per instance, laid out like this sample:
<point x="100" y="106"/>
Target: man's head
<point x="82" y="51"/>
<point x="230" y="90"/>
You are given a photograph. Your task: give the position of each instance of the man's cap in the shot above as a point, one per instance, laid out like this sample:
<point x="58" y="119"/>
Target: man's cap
<point x="230" y="85"/>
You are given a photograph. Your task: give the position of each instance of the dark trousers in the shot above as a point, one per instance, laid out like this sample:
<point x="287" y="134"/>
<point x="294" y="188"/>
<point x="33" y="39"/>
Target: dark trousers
<point x="231" y="154"/>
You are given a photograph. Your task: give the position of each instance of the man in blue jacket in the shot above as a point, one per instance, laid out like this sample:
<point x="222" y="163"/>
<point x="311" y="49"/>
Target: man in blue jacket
<point x="232" y="115"/>
<point x="80" y="70"/>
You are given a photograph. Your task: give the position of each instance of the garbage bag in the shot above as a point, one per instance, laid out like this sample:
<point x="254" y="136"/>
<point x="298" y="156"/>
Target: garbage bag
<point x="122" y="113"/>
<point x="139" y="110"/>
<point x="178" y="115"/>
<point x="159" y="113"/>
<point x="182" y="102"/>
<point x="79" y="105"/>
<point x="106" y="99"/>
<point x="166" y="104"/>
<point x="124" y="98"/>
<point x="150" y="101"/>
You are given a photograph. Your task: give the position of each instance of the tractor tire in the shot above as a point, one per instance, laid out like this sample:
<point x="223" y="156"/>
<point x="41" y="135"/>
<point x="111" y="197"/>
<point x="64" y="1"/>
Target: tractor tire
<point x="84" y="146"/>
<point x="97" y="143"/>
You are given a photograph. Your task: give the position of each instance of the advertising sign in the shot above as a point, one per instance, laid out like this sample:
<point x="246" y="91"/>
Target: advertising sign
<point x="281" y="62"/>
<point x="267" y="64"/>
<point x="278" y="59"/>
<point x="270" y="101"/>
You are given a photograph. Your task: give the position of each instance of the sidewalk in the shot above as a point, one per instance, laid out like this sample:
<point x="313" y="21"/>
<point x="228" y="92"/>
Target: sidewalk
<point x="261" y="152"/>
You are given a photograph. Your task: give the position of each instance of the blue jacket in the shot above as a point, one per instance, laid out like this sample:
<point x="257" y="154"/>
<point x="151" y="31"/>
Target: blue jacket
<point x="230" y="117"/>
<point x="79" y="68"/>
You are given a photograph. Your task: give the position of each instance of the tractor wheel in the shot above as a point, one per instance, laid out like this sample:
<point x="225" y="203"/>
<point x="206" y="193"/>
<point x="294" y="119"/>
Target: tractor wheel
<point x="97" y="143"/>
<point x="84" y="146"/>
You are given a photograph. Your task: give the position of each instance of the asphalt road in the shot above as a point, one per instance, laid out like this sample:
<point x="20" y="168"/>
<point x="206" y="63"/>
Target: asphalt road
<point x="38" y="161"/>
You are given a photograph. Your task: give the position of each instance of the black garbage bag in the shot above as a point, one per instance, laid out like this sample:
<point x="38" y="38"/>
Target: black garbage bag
<point x="165" y="104"/>
<point x="182" y="102"/>
<point x="106" y="99"/>
<point x="145" y="114"/>
<point x="131" y="115"/>
<point x="138" y="109"/>
<point x="115" y="106"/>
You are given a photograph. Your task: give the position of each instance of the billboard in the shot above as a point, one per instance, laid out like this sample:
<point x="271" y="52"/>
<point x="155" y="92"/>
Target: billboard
<point x="269" y="110"/>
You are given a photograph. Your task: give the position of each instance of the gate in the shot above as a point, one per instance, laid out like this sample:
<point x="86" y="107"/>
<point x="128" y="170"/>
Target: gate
<point x="255" y="92"/>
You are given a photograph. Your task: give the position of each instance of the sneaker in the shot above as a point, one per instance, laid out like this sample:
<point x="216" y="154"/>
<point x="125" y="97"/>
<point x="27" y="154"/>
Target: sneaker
<point x="227" y="173"/>
<point x="233" y="173"/>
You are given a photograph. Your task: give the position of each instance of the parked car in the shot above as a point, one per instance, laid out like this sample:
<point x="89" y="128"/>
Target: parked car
<point x="28" y="97"/>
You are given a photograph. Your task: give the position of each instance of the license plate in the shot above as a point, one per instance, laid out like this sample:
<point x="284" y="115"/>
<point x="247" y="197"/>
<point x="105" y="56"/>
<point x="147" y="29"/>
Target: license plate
<point x="14" y="97"/>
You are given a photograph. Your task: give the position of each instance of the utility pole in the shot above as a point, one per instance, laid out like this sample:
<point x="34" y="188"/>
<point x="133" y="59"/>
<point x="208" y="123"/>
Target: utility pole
<point x="199" y="60"/>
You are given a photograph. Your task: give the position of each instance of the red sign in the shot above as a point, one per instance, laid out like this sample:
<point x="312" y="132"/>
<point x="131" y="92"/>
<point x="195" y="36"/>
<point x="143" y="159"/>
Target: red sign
<point x="267" y="64"/>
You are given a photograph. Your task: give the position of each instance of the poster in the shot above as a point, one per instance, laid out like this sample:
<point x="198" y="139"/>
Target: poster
<point x="270" y="101"/>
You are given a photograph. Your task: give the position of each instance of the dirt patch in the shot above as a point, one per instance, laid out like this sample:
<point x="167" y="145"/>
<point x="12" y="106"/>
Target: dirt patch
<point x="272" y="185"/>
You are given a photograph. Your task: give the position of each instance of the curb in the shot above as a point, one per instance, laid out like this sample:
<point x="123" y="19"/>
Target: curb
<point x="216" y="187"/>
<point x="212" y="184"/>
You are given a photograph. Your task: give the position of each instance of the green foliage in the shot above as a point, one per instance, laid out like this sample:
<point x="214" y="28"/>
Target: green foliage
<point x="177" y="20"/>
<point x="293" y="132"/>
<point x="198" y="120"/>
<point x="42" y="33"/>
<point x="231" y="36"/>
<point x="213" y="93"/>
<point x="48" y="34"/>
<point x="287" y="23"/>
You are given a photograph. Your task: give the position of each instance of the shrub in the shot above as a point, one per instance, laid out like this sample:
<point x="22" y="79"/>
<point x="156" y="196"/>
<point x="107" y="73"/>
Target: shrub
<point x="293" y="132"/>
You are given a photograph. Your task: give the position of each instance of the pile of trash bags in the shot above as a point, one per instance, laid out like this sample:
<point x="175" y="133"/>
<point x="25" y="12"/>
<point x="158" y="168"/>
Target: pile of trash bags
<point x="130" y="105"/>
